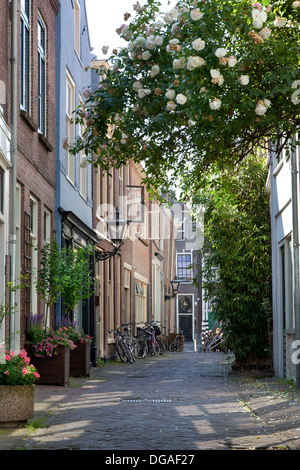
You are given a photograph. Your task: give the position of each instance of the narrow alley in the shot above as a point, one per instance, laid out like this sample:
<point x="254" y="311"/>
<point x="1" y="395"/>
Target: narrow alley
<point x="178" y="402"/>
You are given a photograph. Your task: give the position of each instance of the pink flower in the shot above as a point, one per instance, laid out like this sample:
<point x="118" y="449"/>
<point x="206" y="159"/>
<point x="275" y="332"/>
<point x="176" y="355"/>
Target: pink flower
<point x="7" y="357"/>
<point x="257" y="5"/>
<point x="37" y="375"/>
<point x="25" y="371"/>
<point x="6" y="372"/>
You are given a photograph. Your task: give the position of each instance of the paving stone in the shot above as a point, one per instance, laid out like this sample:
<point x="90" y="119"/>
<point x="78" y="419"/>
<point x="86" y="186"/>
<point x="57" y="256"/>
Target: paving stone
<point x="185" y="401"/>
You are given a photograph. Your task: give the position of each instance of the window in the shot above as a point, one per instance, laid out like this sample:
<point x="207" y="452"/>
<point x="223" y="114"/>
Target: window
<point x="41" y="77"/>
<point x="140" y="301"/>
<point x="82" y="164"/>
<point x="184" y="270"/>
<point x="25" y="55"/>
<point x="70" y="126"/>
<point x="34" y="261"/>
<point x="127" y="282"/>
<point x="1" y="191"/>
<point x="77" y="27"/>
<point x="110" y="297"/>
<point x="47" y="226"/>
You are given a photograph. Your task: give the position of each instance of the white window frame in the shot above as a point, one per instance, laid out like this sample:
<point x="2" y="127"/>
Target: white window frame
<point x="42" y="77"/>
<point x="191" y="271"/>
<point x="77" y="22"/>
<point x="25" y="47"/>
<point x="70" y="125"/>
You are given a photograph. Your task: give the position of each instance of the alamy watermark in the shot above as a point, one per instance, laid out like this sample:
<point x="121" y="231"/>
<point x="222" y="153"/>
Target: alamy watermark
<point x="157" y="222"/>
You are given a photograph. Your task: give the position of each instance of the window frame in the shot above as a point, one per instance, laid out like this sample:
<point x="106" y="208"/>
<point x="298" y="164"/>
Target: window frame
<point x="42" y="77"/>
<point x="185" y="279"/>
<point x="70" y="125"/>
<point x="25" y="47"/>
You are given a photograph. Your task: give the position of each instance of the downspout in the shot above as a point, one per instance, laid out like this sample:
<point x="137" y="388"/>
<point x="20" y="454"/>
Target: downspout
<point x="14" y="149"/>
<point x="296" y="256"/>
<point x="171" y="268"/>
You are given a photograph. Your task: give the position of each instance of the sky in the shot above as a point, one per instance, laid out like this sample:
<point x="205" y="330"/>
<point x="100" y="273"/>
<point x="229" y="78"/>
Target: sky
<point x="105" y="16"/>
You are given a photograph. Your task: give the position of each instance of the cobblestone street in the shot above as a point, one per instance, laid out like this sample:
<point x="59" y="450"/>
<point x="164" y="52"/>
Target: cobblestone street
<point x="178" y="402"/>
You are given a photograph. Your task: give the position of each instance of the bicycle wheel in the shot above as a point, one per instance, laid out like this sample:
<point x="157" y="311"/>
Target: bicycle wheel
<point x="127" y="352"/>
<point x="154" y="347"/>
<point x="141" y="349"/>
<point x="121" y="352"/>
<point x="161" y="345"/>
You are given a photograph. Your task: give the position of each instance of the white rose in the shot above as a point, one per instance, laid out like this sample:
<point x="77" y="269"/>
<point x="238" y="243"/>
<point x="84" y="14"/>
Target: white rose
<point x="194" y="62"/>
<point x="265" y="33"/>
<point x="150" y="44"/>
<point x="296" y="5"/>
<point x="220" y="52"/>
<point x="181" y="99"/>
<point x="146" y="55"/>
<point x="191" y="123"/>
<point x="158" y="24"/>
<point x="267" y="102"/>
<point x="170" y="94"/>
<point x="215" y="104"/>
<point x="174" y="12"/>
<point x="244" y="79"/>
<point x="255" y="14"/>
<point x="137" y="86"/>
<point x="198" y="44"/>
<point x="142" y="92"/>
<point x="260" y="110"/>
<point x="221" y="80"/>
<point x="154" y="71"/>
<point x="257" y="24"/>
<point x="232" y="61"/>
<point x="105" y="49"/>
<point x="179" y="63"/>
<point x="196" y="14"/>
<point x="140" y="41"/>
<point x="168" y="18"/>
<point x="158" y="40"/>
<point x="215" y="73"/>
<point x="263" y="16"/>
<point x="171" y="105"/>
<point x="279" y="22"/>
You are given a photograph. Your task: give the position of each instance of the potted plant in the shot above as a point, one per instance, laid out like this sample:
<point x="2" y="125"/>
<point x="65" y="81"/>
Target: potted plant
<point x="50" y="353"/>
<point x="79" y="356"/>
<point x="64" y="272"/>
<point x="17" y="387"/>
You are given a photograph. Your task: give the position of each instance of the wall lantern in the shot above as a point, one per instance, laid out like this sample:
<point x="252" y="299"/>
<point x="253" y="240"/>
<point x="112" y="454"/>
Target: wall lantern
<point x="175" y="283"/>
<point x="116" y="231"/>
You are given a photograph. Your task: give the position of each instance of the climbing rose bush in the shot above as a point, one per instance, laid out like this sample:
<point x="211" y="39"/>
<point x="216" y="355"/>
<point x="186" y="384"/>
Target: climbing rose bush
<point x="199" y="86"/>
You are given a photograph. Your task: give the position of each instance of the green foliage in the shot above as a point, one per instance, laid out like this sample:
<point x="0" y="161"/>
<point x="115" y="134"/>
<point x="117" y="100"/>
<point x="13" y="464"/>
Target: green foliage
<point x="66" y="272"/>
<point x="224" y="105"/>
<point x="237" y="257"/>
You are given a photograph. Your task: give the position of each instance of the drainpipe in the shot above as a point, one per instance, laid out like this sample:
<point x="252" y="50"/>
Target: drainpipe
<point x="296" y="256"/>
<point x="13" y="155"/>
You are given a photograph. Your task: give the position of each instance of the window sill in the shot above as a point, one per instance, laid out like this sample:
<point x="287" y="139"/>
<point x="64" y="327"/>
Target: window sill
<point x="26" y="116"/>
<point x="46" y="142"/>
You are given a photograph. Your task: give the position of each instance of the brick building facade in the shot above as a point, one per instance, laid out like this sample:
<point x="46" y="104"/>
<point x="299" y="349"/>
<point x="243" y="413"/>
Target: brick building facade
<point x="57" y="195"/>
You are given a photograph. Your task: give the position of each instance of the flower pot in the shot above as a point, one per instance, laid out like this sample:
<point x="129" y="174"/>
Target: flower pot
<point x="16" y="405"/>
<point x="54" y="370"/>
<point x="80" y="360"/>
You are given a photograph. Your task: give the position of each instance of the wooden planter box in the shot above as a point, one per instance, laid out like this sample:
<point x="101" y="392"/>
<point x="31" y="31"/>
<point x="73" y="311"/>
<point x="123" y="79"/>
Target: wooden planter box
<point x="53" y="370"/>
<point x="80" y="360"/>
<point x="16" y="405"/>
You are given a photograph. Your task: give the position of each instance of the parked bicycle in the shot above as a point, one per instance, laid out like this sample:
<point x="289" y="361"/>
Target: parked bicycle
<point x="122" y="347"/>
<point x="174" y="346"/>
